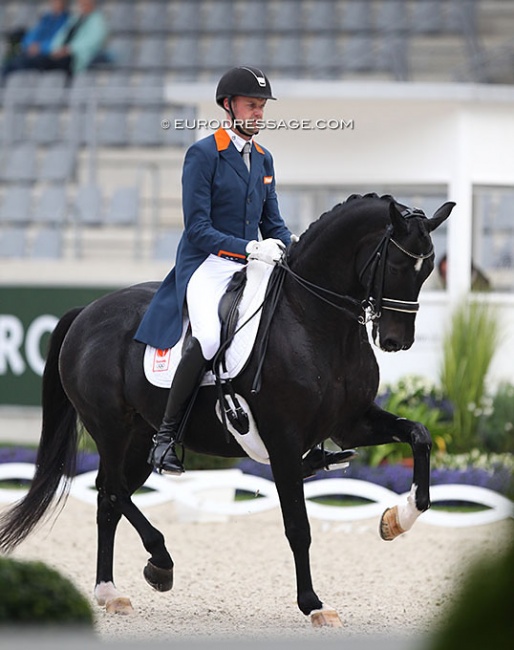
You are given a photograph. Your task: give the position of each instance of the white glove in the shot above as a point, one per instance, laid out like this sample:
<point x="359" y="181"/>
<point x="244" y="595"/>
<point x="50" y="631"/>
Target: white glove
<point x="294" y="239"/>
<point x="270" y="251"/>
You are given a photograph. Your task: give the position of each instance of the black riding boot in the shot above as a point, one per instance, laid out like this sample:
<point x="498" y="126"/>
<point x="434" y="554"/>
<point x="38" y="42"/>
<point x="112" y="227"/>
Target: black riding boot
<point x="320" y="458"/>
<point x="187" y="376"/>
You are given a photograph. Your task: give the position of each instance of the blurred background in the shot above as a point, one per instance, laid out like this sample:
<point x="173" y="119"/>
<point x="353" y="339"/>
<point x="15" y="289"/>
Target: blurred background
<point x="416" y="99"/>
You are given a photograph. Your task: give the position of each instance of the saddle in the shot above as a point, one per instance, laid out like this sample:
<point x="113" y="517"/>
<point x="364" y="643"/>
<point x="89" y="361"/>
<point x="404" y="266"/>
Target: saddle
<point x="228" y="312"/>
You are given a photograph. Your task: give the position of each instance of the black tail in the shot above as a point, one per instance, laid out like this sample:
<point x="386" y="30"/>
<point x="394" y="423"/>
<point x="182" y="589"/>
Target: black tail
<point x="56" y="455"/>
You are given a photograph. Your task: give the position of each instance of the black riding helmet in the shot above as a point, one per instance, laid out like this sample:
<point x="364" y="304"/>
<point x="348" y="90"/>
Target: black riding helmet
<point x="245" y="81"/>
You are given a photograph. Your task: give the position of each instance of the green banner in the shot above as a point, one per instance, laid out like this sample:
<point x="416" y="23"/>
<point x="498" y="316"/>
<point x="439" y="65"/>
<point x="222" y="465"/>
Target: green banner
<point x="28" y="315"/>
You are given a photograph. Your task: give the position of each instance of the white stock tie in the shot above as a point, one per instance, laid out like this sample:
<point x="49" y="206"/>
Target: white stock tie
<point x="246" y="155"/>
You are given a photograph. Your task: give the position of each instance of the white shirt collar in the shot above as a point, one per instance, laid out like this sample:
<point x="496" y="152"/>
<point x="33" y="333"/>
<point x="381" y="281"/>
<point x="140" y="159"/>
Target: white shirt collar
<point x="237" y="140"/>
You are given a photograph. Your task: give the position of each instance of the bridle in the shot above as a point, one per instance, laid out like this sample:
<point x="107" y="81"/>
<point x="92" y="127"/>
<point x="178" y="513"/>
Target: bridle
<point x="369" y="309"/>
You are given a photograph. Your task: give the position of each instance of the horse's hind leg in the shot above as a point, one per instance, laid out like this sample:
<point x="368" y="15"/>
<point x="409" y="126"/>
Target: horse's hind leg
<point x="107" y="519"/>
<point x="116" y="482"/>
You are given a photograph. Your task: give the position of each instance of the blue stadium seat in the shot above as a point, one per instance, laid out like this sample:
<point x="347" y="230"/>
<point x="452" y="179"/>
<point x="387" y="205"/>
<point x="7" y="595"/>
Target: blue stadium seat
<point x="183" y="55"/>
<point x="427" y="17"/>
<point x="113" y="128"/>
<point x="123" y="51"/>
<point x="251" y="17"/>
<point x="122" y="17"/>
<point x="19" y="87"/>
<point x="217" y="16"/>
<point x="165" y="244"/>
<point x="287" y="56"/>
<point x="391" y="16"/>
<point x="16" y="205"/>
<point x="152" y="54"/>
<point x="20" y="164"/>
<point x="154" y="17"/>
<point x="147" y="130"/>
<point x="184" y="17"/>
<point x="359" y="53"/>
<point x="217" y="53"/>
<point x="50" y="88"/>
<point x="88" y="205"/>
<point x="322" y="57"/>
<point x="47" y="129"/>
<point x="284" y="16"/>
<point x="253" y="49"/>
<point x="13" y="243"/>
<point x="320" y="16"/>
<point x="58" y="164"/>
<point x="52" y="206"/>
<point x="123" y="208"/>
<point x="47" y="243"/>
<point x="356" y="16"/>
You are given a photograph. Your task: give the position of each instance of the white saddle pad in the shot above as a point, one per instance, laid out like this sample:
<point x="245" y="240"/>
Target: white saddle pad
<point x="160" y="365"/>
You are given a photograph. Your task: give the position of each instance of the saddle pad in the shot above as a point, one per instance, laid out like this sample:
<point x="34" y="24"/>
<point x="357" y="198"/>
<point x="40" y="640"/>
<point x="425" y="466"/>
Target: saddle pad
<point x="160" y="365"/>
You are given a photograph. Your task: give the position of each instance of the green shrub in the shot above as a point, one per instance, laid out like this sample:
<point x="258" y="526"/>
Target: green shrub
<point x="481" y="616"/>
<point x="413" y="398"/>
<point x="468" y="349"/>
<point x="31" y="593"/>
<point x="496" y="426"/>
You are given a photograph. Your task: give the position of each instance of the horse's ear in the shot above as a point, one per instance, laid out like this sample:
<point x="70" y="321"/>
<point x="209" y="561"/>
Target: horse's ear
<point x="441" y="214"/>
<point x="399" y="223"/>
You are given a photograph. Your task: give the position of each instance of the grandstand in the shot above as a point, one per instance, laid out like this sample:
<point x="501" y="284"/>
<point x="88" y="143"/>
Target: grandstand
<point x="87" y="170"/>
<point x="90" y="181"/>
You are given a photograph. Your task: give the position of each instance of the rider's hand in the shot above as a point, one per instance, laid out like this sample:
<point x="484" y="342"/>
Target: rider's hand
<point x="270" y="251"/>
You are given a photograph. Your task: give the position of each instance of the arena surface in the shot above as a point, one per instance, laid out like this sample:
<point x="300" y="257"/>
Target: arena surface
<point x="234" y="580"/>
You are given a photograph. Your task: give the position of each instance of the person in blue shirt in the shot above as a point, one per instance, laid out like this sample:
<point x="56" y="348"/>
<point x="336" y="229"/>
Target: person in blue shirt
<point x="76" y="44"/>
<point x="37" y="40"/>
<point x="226" y="203"/>
<point x="228" y="199"/>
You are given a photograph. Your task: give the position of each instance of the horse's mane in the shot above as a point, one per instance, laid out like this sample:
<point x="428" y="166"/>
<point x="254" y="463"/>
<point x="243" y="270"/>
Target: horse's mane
<point x="339" y="210"/>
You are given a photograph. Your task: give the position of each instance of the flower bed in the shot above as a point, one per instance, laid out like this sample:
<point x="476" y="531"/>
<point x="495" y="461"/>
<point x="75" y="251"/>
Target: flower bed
<point x="398" y="478"/>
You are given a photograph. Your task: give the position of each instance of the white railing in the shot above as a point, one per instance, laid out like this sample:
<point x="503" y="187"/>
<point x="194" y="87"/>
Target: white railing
<point x="211" y="493"/>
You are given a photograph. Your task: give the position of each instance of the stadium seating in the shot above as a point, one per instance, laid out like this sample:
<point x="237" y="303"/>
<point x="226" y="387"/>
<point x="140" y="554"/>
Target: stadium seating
<point x="56" y="135"/>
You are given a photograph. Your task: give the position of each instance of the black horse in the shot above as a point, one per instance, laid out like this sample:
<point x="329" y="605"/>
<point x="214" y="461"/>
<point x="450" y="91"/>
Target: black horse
<point x="364" y="259"/>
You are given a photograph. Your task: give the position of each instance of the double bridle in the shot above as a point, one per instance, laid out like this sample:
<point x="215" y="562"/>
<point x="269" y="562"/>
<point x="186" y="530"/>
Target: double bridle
<point x="369" y="309"/>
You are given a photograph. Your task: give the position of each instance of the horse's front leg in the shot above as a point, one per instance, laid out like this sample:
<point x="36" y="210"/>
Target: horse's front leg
<point x="381" y="427"/>
<point x="287" y="473"/>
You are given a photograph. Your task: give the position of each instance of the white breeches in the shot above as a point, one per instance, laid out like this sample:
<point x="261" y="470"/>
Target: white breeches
<point x="206" y="286"/>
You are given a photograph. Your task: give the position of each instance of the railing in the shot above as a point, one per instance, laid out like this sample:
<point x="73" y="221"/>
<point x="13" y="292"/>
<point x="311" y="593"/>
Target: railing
<point x="212" y="493"/>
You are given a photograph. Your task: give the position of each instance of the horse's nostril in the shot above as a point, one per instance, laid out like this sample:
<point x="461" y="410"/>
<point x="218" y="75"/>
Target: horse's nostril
<point x="391" y="345"/>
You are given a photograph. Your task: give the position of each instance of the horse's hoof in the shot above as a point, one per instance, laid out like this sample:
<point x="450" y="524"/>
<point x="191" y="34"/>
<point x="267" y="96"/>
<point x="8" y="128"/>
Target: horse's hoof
<point x="326" y="617"/>
<point x="159" y="579"/>
<point x="389" y="525"/>
<point x="119" y="605"/>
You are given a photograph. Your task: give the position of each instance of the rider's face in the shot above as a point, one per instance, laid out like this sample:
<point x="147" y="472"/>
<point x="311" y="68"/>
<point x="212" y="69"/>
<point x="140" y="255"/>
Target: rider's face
<point x="249" y="110"/>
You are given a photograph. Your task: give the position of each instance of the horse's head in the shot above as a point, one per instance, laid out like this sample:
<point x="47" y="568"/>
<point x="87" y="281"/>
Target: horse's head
<point x="395" y="271"/>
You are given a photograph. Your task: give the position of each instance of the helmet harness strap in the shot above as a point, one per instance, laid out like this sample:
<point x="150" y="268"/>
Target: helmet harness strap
<point x="235" y="124"/>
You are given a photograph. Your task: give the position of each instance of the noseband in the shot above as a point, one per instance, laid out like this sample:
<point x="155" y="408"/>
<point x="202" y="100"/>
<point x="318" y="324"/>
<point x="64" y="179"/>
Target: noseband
<point x="376" y="263"/>
<point x="371" y="307"/>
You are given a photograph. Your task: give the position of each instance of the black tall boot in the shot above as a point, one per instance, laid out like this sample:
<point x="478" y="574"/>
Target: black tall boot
<point x="187" y="377"/>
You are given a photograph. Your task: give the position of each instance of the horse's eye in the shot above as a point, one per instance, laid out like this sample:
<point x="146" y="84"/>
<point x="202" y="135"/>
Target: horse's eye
<point x="393" y="269"/>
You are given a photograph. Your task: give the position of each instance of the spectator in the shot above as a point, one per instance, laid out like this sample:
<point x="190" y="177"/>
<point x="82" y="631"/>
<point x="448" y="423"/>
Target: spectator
<point x="77" y="43"/>
<point x="38" y="39"/>
<point x="479" y="281"/>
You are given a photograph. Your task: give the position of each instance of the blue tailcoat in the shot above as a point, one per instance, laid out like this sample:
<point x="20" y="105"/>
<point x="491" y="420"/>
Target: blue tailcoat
<point x="224" y="207"/>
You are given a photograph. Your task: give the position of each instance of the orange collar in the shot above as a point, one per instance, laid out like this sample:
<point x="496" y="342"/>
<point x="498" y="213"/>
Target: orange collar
<point x="223" y="140"/>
